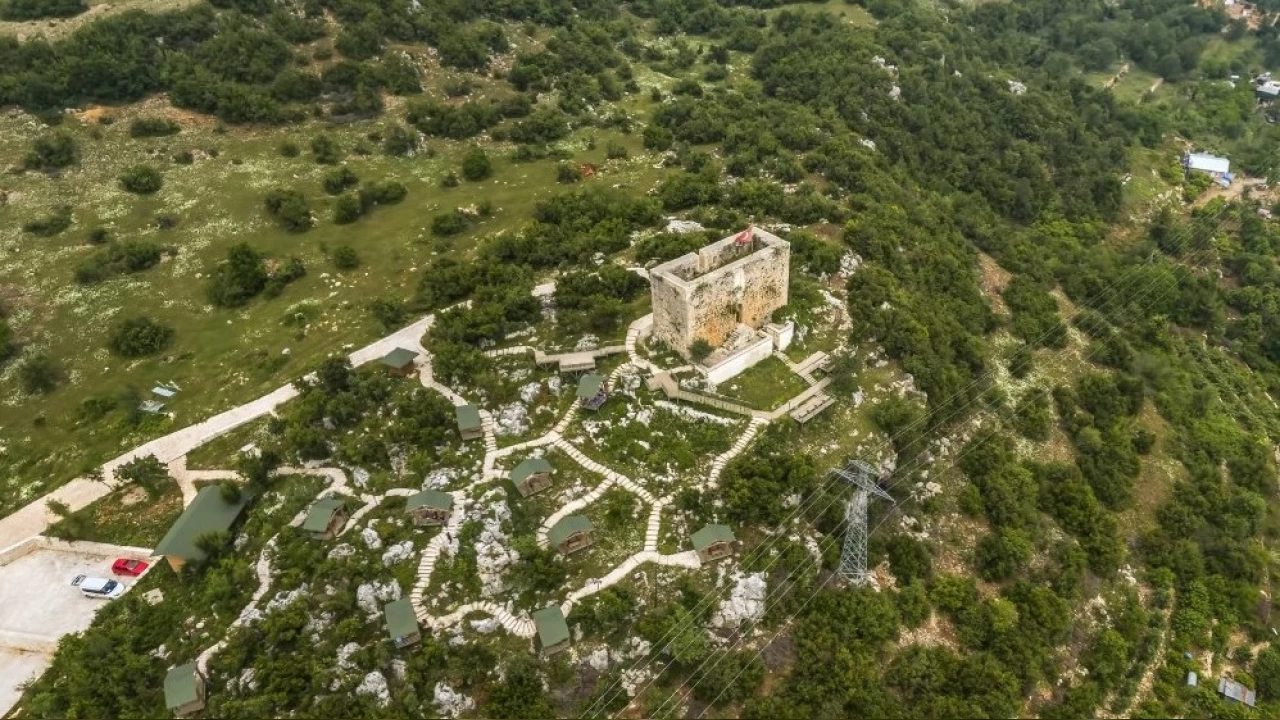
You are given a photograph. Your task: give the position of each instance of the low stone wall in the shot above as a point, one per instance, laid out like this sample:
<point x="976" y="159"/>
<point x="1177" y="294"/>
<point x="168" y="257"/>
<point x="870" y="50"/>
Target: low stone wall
<point x="738" y="362"/>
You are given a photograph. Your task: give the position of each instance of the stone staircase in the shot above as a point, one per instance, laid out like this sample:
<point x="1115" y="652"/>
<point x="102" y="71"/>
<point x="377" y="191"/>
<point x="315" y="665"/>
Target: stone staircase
<point x="518" y="626"/>
<point x="427" y="563"/>
<point x="721" y="460"/>
<point x="655" y="525"/>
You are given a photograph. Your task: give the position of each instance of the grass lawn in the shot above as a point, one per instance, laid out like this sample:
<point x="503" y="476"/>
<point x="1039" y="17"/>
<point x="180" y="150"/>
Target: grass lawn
<point x="221" y="357"/>
<point x="126" y="517"/>
<point x="764" y="386"/>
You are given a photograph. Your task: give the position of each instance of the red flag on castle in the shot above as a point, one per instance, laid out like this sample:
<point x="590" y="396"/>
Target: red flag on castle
<point x="744" y="237"/>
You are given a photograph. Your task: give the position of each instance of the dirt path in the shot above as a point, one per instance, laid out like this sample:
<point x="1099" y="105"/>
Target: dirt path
<point x="1124" y="69"/>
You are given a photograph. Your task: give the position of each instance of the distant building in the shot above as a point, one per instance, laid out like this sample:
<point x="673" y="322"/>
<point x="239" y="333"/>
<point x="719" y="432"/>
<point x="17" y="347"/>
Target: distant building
<point x="713" y="542"/>
<point x="1232" y="690"/>
<point x="399" y="361"/>
<point x="571" y="534"/>
<point x="184" y="690"/>
<point x="469" y="425"/>
<point x="591" y="391"/>
<point x="531" y="476"/>
<point x="1267" y="90"/>
<point x="429" y="507"/>
<point x="208" y="512"/>
<point x="1193" y="680"/>
<point x="553" y="631"/>
<point x="402" y="624"/>
<point x="325" y="518"/>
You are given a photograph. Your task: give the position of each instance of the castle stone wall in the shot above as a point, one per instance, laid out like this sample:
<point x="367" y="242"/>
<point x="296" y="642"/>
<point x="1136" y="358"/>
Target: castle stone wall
<point x="691" y="303"/>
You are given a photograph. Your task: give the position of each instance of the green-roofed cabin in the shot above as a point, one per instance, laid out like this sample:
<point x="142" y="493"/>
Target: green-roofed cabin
<point x="531" y="476"/>
<point x="402" y="624"/>
<point x="571" y="534"/>
<point x="553" y="631"/>
<point x="209" y="512"/>
<point x="399" y="361"/>
<point x="469" y="425"/>
<point x="184" y="690"/>
<point x="591" y="391"/>
<point x="429" y="507"/>
<point x="325" y="518"/>
<point x="713" y="542"/>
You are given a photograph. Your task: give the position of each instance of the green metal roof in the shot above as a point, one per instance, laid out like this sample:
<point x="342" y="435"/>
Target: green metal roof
<point x="712" y="534"/>
<point x="552" y="629"/>
<point x="401" y="621"/>
<point x="180" y="686"/>
<point x="399" y="358"/>
<point x="529" y="466"/>
<point x="321" y="513"/>
<point x="207" y="513"/>
<point x="566" y="527"/>
<point x="468" y="417"/>
<point x="431" y="499"/>
<point x="589" y="386"/>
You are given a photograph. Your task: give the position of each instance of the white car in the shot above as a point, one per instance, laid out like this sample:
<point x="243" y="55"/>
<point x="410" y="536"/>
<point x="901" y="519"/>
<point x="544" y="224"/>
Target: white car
<point x="98" y="587"/>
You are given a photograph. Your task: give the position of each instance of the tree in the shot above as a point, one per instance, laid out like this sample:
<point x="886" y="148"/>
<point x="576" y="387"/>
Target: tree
<point x="138" y="336"/>
<point x="239" y="278"/>
<point x="148" y="473"/>
<point x="399" y="141"/>
<point x="325" y="150"/>
<point x="52" y="152"/>
<point x="229" y="492"/>
<point x="1002" y="553"/>
<point x="520" y="695"/>
<point x="38" y="373"/>
<point x="476" y="165"/>
<point x="141" y="180"/>
<point x="21" y="10"/>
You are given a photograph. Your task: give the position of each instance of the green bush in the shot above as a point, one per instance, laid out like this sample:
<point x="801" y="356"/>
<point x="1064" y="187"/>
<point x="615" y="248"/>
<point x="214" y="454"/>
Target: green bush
<point x="337" y="181"/>
<point x="347" y="210"/>
<point x="290" y="209"/>
<point x="383" y="193"/>
<point x="345" y="258"/>
<point x="141" y="180"/>
<point x="239" y="278"/>
<point x="55" y="222"/>
<point x="325" y="150"/>
<point x="20" y="10"/>
<point x="38" y="373"/>
<point x="138" y="336"/>
<point x="449" y="223"/>
<point x="148" y="127"/>
<point x="476" y="165"/>
<point x="127" y="256"/>
<point x="289" y="149"/>
<point x="615" y="151"/>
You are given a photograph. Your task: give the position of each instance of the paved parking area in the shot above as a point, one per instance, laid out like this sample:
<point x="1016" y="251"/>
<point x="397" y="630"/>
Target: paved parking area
<point x="38" y="605"/>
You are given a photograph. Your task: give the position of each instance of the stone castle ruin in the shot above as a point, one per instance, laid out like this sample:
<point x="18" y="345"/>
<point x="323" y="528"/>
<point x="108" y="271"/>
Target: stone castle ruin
<point x="725" y="294"/>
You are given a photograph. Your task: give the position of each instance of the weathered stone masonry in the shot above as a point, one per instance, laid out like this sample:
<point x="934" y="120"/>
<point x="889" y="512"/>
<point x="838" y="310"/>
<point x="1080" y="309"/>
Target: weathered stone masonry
<point x="709" y="294"/>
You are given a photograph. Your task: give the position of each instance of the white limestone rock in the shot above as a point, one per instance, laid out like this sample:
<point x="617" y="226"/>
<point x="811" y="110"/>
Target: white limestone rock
<point x="375" y="685"/>
<point x="344" y="656"/>
<point x="451" y="703"/>
<point x="485" y="626"/>
<point x="398" y="553"/>
<point x="530" y="391"/>
<point x="746" y="602"/>
<point x="344" y="550"/>
<point x="370" y="596"/>
<point x="512" y="419"/>
<point x="371" y="538"/>
<point x="599" y="659"/>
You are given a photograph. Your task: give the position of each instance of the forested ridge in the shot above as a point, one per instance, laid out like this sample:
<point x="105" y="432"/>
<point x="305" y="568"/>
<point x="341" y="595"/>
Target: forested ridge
<point x="940" y="134"/>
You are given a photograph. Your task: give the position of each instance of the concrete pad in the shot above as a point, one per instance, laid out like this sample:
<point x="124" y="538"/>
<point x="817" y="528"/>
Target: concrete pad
<point x="38" y="605"/>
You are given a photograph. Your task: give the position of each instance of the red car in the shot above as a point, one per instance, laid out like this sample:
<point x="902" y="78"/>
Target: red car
<point x="125" y="566"/>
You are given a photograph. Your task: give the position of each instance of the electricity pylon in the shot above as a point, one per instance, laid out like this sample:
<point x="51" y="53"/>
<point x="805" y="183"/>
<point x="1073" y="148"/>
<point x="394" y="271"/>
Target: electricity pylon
<point x="853" y="558"/>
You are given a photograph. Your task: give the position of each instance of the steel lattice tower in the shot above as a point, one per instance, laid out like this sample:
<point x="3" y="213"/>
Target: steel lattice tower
<point x="853" y="558"/>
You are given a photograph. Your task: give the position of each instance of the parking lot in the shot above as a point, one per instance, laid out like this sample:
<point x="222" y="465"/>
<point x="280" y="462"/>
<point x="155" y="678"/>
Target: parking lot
<point x="38" y="605"/>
